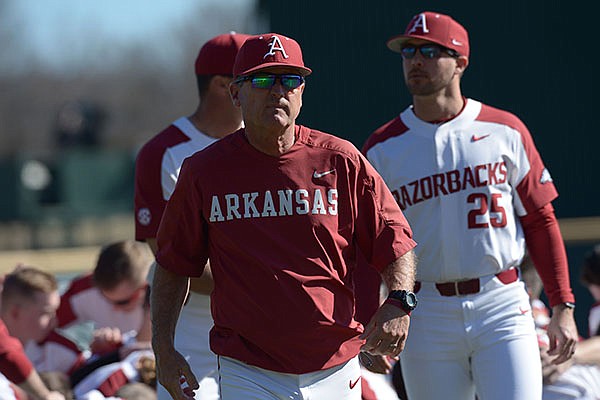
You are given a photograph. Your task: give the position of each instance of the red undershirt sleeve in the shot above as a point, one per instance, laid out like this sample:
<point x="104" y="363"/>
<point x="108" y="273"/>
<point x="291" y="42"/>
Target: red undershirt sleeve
<point x="547" y="251"/>
<point x="15" y="366"/>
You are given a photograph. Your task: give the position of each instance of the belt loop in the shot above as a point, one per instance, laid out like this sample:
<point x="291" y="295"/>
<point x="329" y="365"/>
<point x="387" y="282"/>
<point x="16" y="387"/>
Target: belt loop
<point x="456" y="292"/>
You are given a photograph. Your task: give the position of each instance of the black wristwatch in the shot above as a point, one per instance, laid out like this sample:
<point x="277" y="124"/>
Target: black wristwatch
<point x="407" y="300"/>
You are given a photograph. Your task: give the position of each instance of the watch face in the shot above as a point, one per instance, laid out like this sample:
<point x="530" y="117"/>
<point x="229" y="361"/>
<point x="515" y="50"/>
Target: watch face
<point x="411" y="299"/>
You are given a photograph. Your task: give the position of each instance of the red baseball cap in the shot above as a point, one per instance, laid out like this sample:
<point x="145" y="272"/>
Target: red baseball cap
<point x="434" y="27"/>
<point x="216" y="57"/>
<point x="269" y="50"/>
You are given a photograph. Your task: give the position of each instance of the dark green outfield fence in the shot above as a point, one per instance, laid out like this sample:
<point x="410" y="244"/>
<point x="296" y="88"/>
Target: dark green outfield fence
<point x="533" y="58"/>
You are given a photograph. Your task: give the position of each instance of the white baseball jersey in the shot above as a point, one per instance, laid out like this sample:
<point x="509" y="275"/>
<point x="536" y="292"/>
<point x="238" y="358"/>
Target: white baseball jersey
<point x="157" y="169"/>
<point x="108" y="379"/>
<point x="460" y="185"/>
<point x="6" y="390"/>
<point x="55" y="353"/>
<point x="83" y="302"/>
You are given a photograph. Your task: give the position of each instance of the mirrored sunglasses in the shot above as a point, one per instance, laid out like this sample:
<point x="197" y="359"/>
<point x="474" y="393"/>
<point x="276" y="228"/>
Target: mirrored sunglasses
<point x="429" y="51"/>
<point x="288" y="81"/>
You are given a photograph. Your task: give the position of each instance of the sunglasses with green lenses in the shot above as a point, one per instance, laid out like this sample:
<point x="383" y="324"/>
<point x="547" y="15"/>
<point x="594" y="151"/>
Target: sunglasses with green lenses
<point x="427" y="51"/>
<point x="267" y="81"/>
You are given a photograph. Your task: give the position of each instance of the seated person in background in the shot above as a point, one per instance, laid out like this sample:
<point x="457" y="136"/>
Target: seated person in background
<point x="590" y="278"/>
<point x="113" y="297"/>
<point x="578" y="378"/>
<point x="137" y="391"/>
<point x="8" y="390"/>
<point x="47" y="349"/>
<point x="27" y="313"/>
<point x="139" y="366"/>
<point x="58" y="382"/>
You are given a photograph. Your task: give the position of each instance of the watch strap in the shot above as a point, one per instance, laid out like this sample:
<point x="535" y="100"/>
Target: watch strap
<point x="399" y="304"/>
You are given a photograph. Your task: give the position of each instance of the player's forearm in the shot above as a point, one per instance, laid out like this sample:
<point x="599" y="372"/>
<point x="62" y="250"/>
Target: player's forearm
<point x="34" y="386"/>
<point x="401" y="273"/>
<point x="588" y="351"/>
<point x="166" y="299"/>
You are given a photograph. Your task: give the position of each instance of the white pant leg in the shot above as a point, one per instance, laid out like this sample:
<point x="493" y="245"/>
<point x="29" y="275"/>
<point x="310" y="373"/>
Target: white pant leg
<point x="435" y="361"/>
<point x="485" y="340"/>
<point x="342" y="382"/>
<point x="243" y="381"/>
<point x="506" y="360"/>
<point x="238" y="380"/>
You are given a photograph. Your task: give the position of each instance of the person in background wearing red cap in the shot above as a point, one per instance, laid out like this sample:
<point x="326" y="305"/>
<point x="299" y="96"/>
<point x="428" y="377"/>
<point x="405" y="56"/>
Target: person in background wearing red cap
<point x="157" y="168"/>
<point x="475" y="191"/>
<point x="281" y="214"/>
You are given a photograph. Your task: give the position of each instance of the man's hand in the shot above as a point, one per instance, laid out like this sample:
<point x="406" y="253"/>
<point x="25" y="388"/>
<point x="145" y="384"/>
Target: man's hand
<point x="550" y="370"/>
<point x="376" y="364"/>
<point x="172" y="370"/>
<point x="54" y="396"/>
<point x="387" y="331"/>
<point x="105" y="340"/>
<point x="166" y="299"/>
<point x="562" y="333"/>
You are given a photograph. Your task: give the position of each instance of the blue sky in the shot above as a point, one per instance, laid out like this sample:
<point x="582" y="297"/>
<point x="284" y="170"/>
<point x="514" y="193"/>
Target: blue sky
<point x="55" y="31"/>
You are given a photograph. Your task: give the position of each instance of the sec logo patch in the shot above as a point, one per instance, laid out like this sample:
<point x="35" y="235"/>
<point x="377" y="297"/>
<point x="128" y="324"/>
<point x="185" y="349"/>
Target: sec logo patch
<point x="144" y="216"/>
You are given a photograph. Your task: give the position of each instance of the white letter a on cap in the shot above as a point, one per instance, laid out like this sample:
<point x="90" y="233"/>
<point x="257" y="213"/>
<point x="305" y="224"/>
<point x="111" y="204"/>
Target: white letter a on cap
<point x="420" y="21"/>
<point x="276" y="45"/>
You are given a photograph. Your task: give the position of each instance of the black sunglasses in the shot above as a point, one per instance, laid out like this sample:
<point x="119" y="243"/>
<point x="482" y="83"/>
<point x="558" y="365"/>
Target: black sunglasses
<point x="134" y="296"/>
<point x="429" y="51"/>
<point x="267" y="81"/>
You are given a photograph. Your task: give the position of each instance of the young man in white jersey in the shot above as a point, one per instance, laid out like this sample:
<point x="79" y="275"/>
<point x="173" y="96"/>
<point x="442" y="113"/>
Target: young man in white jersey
<point x="157" y="168"/>
<point x="475" y="191"/>
<point x="282" y="211"/>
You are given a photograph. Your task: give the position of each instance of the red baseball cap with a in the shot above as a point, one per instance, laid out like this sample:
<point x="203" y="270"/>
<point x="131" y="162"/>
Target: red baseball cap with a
<point x="434" y="27"/>
<point x="269" y="50"/>
<point x="216" y="57"/>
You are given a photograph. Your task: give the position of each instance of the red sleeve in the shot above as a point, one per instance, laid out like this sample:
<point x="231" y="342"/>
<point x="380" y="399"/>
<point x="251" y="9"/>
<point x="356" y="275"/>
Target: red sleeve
<point x="149" y="201"/>
<point x="113" y="383"/>
<point x="148" y="198"/>
<point x="382" y="232"/>
<point x="14" y="364"/>
<point x="536" y="188"/>
<point x="367" y="282"/>
<point x="547" y="251"/>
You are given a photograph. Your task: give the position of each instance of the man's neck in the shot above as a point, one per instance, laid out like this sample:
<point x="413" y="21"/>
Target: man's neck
<point x="438" y="108"/>
<point x="273" y="143"/>
<point x="215" y="123"/>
